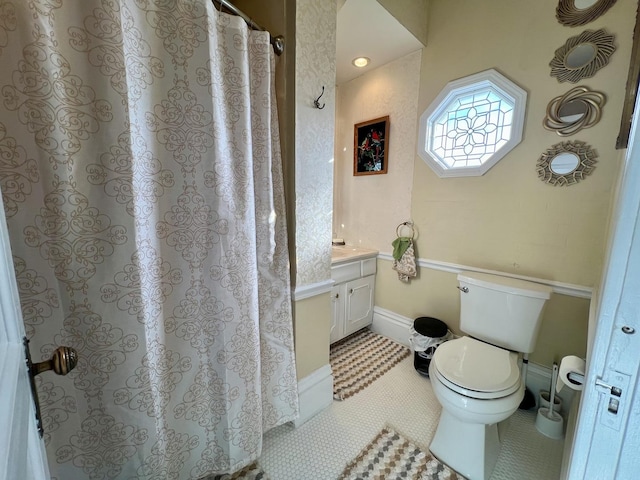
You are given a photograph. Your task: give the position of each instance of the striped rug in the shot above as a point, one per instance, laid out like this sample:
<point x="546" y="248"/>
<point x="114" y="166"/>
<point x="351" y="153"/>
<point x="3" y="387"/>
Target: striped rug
<point x="251" y="472"/>
<point x="390" y="457"/>
<point x="360" y="359"/>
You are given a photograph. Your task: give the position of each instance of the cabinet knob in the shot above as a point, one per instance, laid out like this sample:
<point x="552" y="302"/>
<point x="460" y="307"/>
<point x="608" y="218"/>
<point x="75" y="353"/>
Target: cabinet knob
<point x="351" y="292"/>
<point x="337" y="295"/>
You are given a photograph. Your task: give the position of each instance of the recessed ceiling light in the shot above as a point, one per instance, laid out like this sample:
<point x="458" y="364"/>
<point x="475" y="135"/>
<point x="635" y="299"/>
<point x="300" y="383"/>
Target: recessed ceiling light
<point x="361" y="62"/>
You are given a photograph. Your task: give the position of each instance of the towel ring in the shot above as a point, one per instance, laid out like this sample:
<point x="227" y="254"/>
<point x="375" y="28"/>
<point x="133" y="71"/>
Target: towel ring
<point x="408" y="225"/>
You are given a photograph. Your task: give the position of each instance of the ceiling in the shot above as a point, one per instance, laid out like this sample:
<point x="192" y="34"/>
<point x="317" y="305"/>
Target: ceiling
<point x="366" y="29"/>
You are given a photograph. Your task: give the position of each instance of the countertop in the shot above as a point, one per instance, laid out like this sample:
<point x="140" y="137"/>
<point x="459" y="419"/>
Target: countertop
<point x="348" y="253"/>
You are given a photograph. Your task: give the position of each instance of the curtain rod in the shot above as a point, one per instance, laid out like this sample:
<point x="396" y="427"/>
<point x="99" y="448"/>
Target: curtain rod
<point x="277" y="42"/>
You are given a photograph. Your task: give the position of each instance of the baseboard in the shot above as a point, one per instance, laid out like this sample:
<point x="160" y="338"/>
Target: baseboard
<point x="391" y="325"/>
<point x="315" y="393"/>
<point x="397" y="328"/>
<point x="539" y="378"/>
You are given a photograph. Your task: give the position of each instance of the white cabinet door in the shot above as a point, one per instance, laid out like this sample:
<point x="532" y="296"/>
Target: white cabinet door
<point x="352" y="297"/>
<point x="359" y="304"/>
<point x="337" y="310"/>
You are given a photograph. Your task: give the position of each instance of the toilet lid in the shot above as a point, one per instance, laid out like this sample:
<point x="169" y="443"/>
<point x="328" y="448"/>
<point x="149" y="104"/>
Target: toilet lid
<point x="479" y="370"/>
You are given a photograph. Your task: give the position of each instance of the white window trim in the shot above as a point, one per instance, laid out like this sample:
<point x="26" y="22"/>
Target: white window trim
<point x="467" y="85"/>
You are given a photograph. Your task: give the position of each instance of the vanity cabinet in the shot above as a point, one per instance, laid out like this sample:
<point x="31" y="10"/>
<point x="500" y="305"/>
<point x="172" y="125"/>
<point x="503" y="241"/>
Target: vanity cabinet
<point x="352" y="297"/>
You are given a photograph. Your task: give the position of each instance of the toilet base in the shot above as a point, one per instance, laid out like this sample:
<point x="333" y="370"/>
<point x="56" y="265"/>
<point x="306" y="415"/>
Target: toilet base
<point x="471" y="449"/>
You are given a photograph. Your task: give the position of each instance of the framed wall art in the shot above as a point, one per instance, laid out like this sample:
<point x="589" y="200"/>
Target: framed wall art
<point x="371" y="147"/>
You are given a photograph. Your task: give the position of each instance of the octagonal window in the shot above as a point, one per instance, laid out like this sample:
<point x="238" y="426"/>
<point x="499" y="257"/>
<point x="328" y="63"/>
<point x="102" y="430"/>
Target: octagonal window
<point x="472" y="124"/>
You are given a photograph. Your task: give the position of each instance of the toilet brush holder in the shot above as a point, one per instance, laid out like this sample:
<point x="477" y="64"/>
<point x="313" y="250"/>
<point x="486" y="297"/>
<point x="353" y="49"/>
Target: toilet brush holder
<point x="543" y="401"/>
<point x="549" y="423"/>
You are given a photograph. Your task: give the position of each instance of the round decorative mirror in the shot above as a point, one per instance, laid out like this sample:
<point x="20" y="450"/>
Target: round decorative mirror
<point x="582" y="56"/>
<point x="577" y="109"/>
<point x="566" y="163"/>
<point x="572" y="111"/>
<point x="580" y="12"/>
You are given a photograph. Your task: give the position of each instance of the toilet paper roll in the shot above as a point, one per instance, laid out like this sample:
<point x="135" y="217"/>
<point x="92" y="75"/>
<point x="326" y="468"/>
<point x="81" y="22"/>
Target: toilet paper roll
<point x="571" y="365"/>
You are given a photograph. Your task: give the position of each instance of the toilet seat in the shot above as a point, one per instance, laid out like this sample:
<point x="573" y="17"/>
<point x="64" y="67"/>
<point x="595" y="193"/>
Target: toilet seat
<point x="476" y="369"/>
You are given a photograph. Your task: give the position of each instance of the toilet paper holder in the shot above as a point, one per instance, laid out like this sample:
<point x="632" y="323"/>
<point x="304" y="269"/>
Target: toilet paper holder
<point x="572" y="373"/>
<point x="576" y="378"/>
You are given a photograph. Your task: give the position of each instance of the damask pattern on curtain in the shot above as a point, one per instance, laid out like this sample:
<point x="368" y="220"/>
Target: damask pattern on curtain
<point x="141" y="178"/>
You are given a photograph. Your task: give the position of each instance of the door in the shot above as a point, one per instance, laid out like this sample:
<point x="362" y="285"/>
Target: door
<point x="22" y="454"/>
<point x="607" y="438"/>
<point x="359" y="304"/>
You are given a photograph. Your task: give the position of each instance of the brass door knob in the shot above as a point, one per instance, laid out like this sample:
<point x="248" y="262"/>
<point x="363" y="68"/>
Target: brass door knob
<point x="63" y="360"/>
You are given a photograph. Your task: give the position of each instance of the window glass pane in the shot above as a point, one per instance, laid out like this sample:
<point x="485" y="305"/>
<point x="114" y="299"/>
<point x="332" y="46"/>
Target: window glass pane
<point x="472" y="122"/>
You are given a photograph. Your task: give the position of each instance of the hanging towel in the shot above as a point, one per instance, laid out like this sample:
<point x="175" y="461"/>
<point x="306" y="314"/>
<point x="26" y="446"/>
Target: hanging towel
<point x="406" y="265"/>
<point x="400" y="246"/>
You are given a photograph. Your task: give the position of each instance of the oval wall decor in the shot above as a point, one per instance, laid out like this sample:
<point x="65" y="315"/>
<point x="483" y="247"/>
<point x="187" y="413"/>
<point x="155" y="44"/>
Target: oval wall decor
<point x="574" y="13"/>
<point x="577" y="109"/>
<point x="582" y="56"/>
<point x="566" y="163"/>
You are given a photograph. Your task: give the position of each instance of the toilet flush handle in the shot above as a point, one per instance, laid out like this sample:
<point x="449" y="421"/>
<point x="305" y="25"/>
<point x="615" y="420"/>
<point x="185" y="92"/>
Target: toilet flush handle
<point x="463" y="289"/>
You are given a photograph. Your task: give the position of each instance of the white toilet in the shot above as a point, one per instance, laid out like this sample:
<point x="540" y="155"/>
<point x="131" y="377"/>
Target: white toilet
<point x="476" y="378"/>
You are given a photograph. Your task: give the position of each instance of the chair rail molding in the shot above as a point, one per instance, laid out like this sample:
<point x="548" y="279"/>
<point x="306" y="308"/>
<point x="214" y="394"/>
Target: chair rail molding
<point x="311" y="290"/>
<point x="562" y="288"/>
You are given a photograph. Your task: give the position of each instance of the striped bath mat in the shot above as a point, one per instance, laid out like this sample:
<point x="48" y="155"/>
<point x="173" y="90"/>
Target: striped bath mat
<point x="390" y="457"/>
<point x="251" y="472"/>
<point x="360" y="359"/>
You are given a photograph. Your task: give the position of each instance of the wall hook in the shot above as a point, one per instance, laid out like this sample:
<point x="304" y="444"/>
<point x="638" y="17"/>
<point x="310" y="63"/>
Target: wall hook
<point x="316" y="102"/>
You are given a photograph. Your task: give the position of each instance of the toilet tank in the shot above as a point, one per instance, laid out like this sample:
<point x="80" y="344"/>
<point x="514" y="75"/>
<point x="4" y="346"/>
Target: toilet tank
<point x="502" y="311"/>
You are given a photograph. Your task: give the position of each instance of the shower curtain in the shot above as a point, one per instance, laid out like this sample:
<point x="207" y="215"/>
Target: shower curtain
<point x="141" y="178"/>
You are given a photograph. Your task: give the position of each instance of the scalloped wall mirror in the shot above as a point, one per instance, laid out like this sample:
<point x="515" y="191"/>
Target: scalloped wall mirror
<point x="573" y="13"/>
<point x="577" y="109"/>
<point x="582" y="56"/>
<point x="566" y="163"/>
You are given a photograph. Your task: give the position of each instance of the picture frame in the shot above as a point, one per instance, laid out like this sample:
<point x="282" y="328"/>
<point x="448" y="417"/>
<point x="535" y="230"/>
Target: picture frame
<point x="371" y="147"/>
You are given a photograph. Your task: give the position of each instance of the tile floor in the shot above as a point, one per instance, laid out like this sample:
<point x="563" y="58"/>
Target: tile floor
<point x="321" y="448"/>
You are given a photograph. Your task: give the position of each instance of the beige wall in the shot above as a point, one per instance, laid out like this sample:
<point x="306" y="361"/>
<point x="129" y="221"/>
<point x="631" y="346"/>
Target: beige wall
<point x="312" y="327"/>
<point x="413" y="14"/>
<point x="434" y="294"/>
<point x="314" y="130"/>
<point x="508" y="220"/>
<point x="368" y="208"/>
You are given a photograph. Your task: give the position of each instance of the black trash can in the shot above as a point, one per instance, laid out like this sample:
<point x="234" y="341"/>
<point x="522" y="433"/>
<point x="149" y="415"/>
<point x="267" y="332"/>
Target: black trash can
<point x="428" y="333"/>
